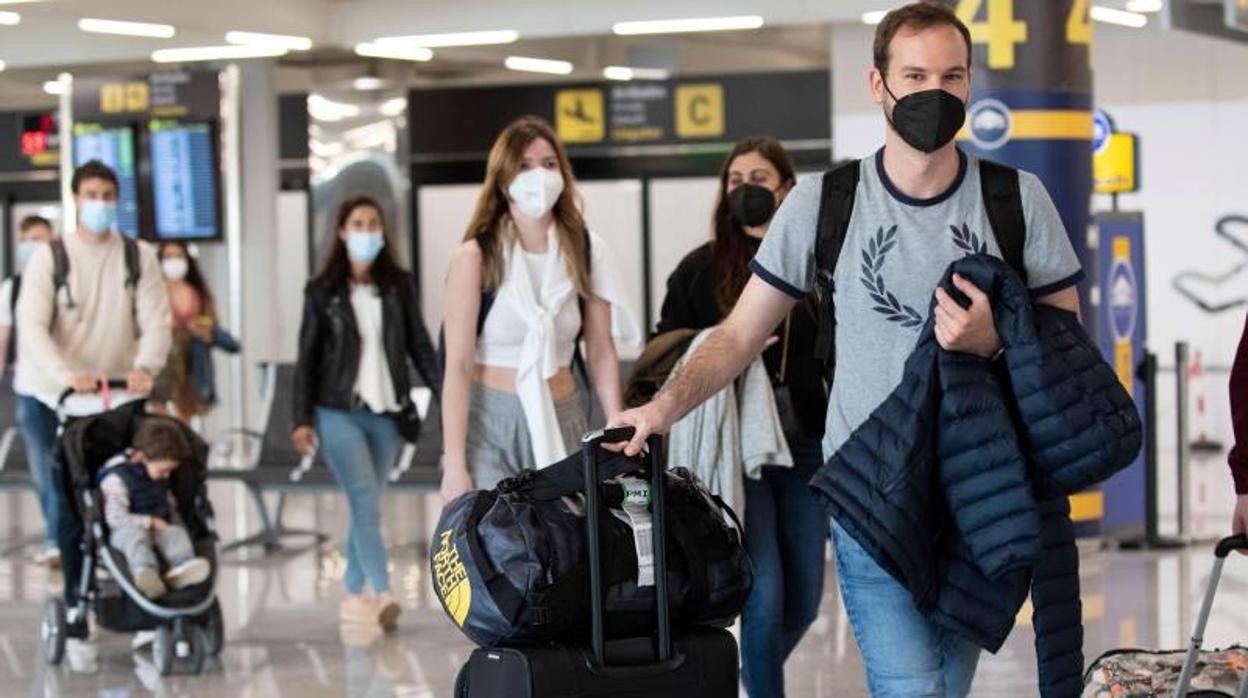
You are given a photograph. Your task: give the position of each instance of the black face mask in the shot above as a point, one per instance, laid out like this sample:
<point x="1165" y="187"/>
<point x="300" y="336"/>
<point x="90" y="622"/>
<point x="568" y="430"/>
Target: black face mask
<point x="927" y="120"/>
<point x="752" y="205"/>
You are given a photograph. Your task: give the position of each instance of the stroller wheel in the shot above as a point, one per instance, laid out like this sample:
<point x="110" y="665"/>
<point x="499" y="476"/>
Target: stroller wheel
<point x="53" y="631"/>
<point x="213" y="623"/>
<point x="197" y="638"/>
<point x="162" y="650"/>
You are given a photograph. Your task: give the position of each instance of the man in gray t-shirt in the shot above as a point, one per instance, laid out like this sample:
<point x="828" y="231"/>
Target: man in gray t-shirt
<point x="918" y="207"/>
<point x="908" y="244"/>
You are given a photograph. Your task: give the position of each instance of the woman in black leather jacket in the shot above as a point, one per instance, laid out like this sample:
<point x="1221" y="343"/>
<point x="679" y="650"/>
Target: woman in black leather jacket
<point x="361" y="325"/>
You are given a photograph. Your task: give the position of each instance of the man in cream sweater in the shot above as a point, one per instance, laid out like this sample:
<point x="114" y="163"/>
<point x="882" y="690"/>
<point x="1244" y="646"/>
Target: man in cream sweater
<point x="101" y="323"/>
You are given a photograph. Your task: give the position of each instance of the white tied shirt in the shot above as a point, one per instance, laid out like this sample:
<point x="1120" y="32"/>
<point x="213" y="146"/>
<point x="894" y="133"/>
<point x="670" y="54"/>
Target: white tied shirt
<point x="533" y="325"/>
<point x="373" y="383"/>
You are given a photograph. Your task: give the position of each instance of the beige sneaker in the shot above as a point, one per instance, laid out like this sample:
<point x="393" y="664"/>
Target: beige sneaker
<point x="189" y="573"/>
<point x="358" y="609"/>
<point x="147" y="579"/>
<point x="388" y="611"/>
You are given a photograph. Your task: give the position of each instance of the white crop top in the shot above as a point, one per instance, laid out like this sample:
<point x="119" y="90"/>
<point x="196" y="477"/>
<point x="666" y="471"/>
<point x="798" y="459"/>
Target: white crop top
<point x="504" y="331"/>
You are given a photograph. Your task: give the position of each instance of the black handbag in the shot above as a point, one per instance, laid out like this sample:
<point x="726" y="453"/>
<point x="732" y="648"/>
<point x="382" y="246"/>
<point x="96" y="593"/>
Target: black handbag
<point x="510" y="565"/>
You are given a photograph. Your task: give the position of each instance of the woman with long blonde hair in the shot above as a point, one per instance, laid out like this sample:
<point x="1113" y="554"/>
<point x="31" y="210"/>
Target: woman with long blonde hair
<point x="526" y="286"/>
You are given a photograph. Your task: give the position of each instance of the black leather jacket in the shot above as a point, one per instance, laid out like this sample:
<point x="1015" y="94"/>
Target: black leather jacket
<point x="329" y="346"/>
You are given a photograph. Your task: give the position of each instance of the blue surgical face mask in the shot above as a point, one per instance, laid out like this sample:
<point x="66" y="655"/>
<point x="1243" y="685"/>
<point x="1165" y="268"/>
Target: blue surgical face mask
<point x="25" y="249"/>
<point x="98" y="216"/>
<point x="363" y="246"/>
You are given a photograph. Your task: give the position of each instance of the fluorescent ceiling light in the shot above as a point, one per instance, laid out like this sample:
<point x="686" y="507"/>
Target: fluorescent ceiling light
<point x="538" y="65"/>
<point x="54" y="87"/>
<point x="1144" y="5"/>
<point x="624" y="73"/>
<point x="486" y="38"/>
<point x="323" y="109"/>
<point x="1" y="65"/>
<point x="1109" y="15"/>
<point x="110" y="26"/>
<point x="18" y="2"/>
<point x="294" y="43"/>
<point x="679" y="26"/>
<point x="393" y="107"/>
<point x="394" y="51"/>
<point x="874" y="18"/>
<point x="215" y="53"/>
<point x="10" y="18"/>
<point x="368" y="82"/>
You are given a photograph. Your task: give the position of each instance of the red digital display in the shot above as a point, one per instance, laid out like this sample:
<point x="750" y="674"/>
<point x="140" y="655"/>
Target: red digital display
<point x="39" y="134"/>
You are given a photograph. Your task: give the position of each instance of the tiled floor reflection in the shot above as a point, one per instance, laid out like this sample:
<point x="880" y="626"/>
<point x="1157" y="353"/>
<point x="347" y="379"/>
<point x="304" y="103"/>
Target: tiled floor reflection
<point x="284" y="640"/>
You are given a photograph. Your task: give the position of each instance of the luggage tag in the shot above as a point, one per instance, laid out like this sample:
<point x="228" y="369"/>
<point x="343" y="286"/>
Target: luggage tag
<point x="635" y="511"/>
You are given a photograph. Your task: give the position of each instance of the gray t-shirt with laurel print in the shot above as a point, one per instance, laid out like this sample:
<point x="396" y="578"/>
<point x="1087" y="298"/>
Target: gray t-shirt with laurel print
<point x="896" y="251"/>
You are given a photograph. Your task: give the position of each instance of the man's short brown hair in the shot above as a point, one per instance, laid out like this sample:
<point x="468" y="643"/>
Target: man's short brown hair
<point x="160" y="439"/>
<point x="31" y="221"/>
<point x="917" y="16"/>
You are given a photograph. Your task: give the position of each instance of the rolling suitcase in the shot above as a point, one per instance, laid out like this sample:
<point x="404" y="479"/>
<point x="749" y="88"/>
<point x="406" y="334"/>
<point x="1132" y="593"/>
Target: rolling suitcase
<point x="1195" y="672"/>
<point x="700" y="663"/>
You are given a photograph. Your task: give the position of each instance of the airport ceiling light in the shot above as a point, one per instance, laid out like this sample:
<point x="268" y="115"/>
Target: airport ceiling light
<point x="394" y="51"/>
<point x="874" y="18"/>
<point x="624" y="73"/>
<point x="293" y="43"/>
<point x="1109" y="15"/>
<point x="10" y="18"/>
<point x="681" y="26"/>
<point x="1146" y="6"/>
<point x="393" y="107"/>
<point x="111" y="26"/>
<point x="215" y="53"/>
<point x="55" y="87"/>
<point x="323" y="109"/>
<point x="538" y="65"/>
<point x="368" y="83"/>
<point x="484" y="38"/>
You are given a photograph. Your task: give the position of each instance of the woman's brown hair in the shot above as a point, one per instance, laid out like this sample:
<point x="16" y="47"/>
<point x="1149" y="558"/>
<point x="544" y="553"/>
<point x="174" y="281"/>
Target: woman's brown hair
<point x="493" y="205"/>
<point x="732" y="248"/>
<point x="336" y="271"/>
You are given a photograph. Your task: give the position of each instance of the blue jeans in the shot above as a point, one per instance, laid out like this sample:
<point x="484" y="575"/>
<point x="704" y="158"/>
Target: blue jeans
<point x="361" y="447"/>
<point x="37" y="423"/>
<point x="784" y="534"/>
<point x="904" y="653"/>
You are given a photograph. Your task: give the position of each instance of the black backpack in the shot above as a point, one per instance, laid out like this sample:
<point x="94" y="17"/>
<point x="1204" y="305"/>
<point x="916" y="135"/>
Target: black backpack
<point x="1002" y="200"/>
<point x="487" y="302"/>
<point x="60" y="275"/>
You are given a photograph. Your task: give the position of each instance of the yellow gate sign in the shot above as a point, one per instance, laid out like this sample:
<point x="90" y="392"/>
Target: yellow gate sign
<point x="580" y="116"/>
<point x="700" y="111"/>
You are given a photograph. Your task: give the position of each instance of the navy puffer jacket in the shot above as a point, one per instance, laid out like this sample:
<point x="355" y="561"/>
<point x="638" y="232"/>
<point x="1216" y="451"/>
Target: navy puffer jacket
<point x="957" y="483"/>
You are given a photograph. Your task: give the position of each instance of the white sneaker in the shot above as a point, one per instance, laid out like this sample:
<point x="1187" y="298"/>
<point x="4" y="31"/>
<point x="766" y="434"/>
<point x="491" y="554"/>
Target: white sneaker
<point x="83" y="655"/>
<point x="142" y="639"/>
<point x="188" y="574"/>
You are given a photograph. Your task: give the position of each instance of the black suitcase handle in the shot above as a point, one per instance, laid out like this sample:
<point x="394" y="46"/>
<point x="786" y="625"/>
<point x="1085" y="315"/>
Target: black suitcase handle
<point x="590" y="450"/>
<point x="1220" y="552"/>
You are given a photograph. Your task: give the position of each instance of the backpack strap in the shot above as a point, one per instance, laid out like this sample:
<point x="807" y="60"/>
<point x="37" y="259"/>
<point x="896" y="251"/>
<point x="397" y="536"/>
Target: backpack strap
<point x="60" y="276"/>
<point x="1003" y="201"/>
<point x="133" y="270"/>
<point x="836" y="207"/>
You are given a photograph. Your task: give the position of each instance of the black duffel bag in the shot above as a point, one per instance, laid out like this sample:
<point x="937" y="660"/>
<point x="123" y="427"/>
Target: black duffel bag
<point x="509" y="564"/>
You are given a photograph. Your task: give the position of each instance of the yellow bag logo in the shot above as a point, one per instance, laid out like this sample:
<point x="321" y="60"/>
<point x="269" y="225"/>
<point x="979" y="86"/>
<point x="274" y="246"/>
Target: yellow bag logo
<point x="450" y="580"/>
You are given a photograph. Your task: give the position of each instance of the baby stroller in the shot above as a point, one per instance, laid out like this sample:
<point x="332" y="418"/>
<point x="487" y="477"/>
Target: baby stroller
<point x="187" y="623"/>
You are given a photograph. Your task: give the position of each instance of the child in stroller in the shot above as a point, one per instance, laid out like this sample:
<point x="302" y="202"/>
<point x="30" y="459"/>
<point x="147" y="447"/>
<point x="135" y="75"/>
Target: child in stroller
<point x="187" y="620"/>
<point x="143" y="516"/>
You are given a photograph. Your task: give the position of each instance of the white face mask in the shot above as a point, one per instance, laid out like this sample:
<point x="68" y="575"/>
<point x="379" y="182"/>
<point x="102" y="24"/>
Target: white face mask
<point x="535" y="192"/>
<point x="174" y="268"/>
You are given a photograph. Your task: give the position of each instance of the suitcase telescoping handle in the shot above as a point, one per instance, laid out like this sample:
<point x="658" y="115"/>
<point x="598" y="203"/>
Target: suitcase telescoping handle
<point x="1223" y="549"/>
<point x="591" y="450"/>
